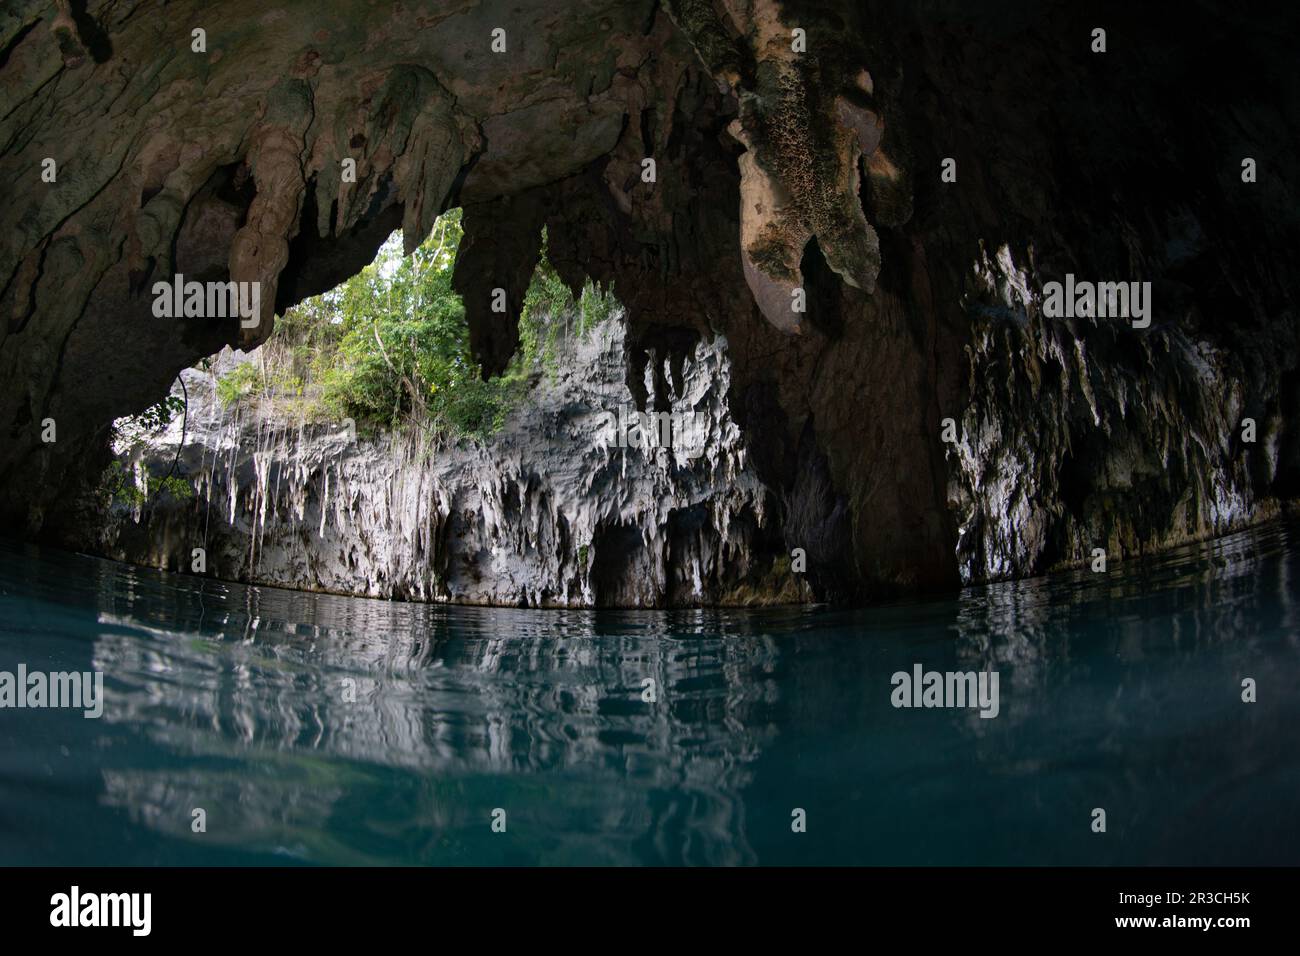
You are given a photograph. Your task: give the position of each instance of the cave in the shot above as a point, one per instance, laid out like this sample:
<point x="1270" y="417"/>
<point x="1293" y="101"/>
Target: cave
<point x="845" y="235"/>
<point x="922" y="297"/>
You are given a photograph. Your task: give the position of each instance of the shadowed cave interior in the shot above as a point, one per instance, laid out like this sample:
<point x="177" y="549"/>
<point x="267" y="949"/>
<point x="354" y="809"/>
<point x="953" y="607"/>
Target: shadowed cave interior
<point x="918" y="424"/>
<point x="650" y="432"/>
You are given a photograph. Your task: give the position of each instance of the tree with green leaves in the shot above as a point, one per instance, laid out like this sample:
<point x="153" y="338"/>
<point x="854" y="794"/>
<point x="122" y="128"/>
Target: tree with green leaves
<point x="390" y="348"/>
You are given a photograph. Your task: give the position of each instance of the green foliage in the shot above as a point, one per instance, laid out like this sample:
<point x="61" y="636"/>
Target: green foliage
<point x="240" y="382"/>
<point x="118" y="485"/>
<point x="158" y="416"/>
<point x="389" y="347"/>
<point x="550" y="315"/>
<point x="401" y="350"/>
<point x="173" y="485"/>
<point x="153" y="420"/>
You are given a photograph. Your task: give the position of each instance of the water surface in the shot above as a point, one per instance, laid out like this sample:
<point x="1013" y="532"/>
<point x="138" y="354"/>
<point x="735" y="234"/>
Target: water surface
<point x="1119" y="690"/>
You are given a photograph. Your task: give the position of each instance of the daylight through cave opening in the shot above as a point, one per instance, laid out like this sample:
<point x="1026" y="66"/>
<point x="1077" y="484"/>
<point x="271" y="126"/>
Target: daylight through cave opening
<point x="360" y="449"/>
<point x="647" y="304"/>
<point x="797" y="213"/>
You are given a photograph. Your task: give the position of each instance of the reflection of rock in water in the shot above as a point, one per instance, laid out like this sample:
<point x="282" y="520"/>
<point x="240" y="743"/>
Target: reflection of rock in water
<point x="449" y="725"/>
<point x="1009" y="623"/>
<point x="243" y="808"/>
<point x="1171" y="612"/>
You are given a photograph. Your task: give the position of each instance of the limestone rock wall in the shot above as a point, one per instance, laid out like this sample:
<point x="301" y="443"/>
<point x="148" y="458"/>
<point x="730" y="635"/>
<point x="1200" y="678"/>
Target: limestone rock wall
<point x="1089" y="434"/>
<point x="545" y="514"/>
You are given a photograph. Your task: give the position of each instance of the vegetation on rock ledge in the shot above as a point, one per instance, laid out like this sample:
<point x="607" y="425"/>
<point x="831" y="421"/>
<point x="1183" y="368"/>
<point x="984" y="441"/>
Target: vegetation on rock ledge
<point x="390" y="347"/>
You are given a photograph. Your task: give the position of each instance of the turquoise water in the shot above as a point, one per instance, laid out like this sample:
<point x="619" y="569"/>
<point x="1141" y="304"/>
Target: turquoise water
<point x="1120" y="691"/>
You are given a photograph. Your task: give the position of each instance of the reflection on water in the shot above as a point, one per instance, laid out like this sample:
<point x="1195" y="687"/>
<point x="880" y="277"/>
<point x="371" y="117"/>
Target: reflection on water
<point x="323" y="729"/>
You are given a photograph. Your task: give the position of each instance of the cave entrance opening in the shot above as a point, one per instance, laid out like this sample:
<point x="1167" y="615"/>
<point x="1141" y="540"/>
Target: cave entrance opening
<point x="385" y="352"/>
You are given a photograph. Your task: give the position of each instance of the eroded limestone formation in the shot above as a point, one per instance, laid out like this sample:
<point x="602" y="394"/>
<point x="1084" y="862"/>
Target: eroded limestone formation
<point x="797" y="146"/>
<point x="553" y="511"/>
